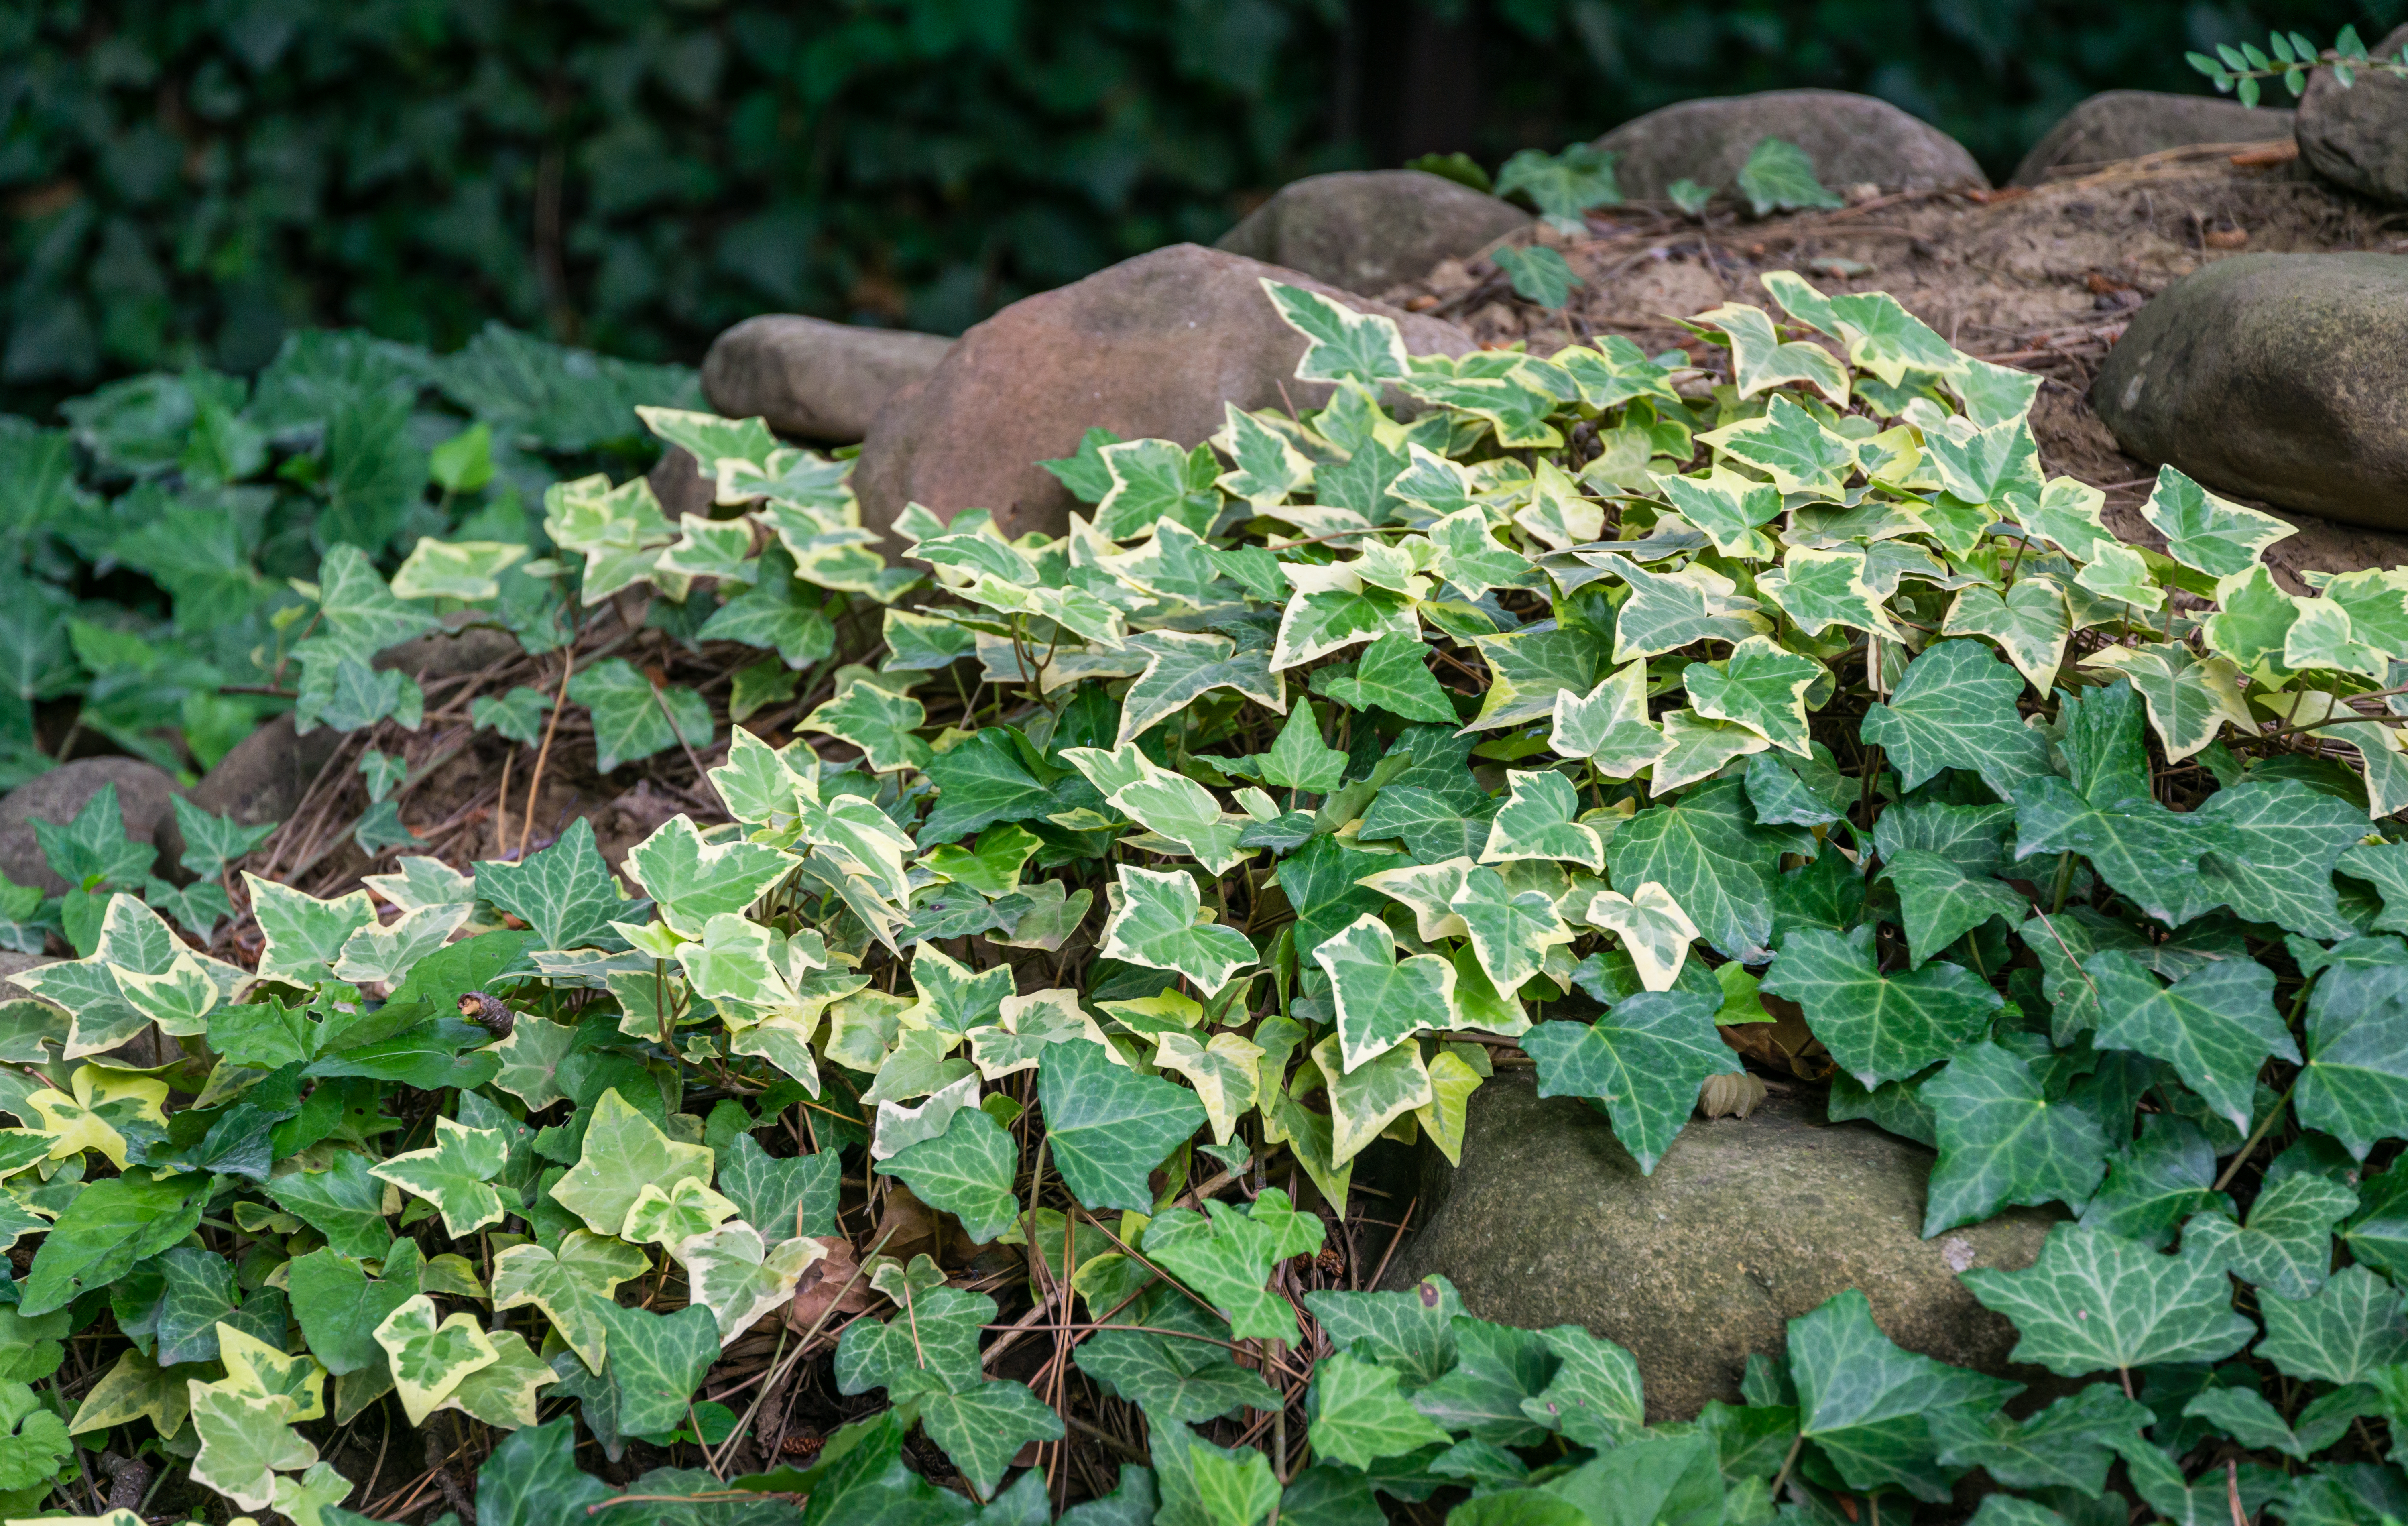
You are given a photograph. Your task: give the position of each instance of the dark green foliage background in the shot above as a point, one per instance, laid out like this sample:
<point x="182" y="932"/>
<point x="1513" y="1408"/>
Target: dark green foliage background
<point x="185" y="179"/>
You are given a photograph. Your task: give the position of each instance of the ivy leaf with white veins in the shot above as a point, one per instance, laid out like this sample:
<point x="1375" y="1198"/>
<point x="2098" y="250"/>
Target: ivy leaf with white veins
<point x="2189" y="698"/>
<point x="1159" y="923"/>
<point x="623" y="1153"/>
<point x="2002" y="1143"/>
<point x="1110" y="1127"/>
<point x="2287" y="1245"/>
<point x="456" y="1175"/>
<point x="2353" y="1326"/>
<point x="2205" y="532"/>
<point x="570" y="1284"/>
<point x="1182" y="667"/>
<point x="1759" y="359"/>
<point x="693" y="881"/>
<point x="881" y="722"/>
<point x="1391" y="675"/>
<point x="1955" y="708"/>
<point x="738" y="1279"/>
<point x="1760" y="686"/>
<point x="1868" y="1403"/>
<point x="671" y="1218"/>
<point x="1510" y="930"/>
<point x="1337" y="610"/>
<point x="1226" y="1258"/>
<point x="633" y="718"/>
<point x="1358" y="1416"/>
<point x="1267" y="470"/>
<point x="1177" y="808"/>
<point x="1655" y="931"/>
<point x="968" y="1171"/>
<point x="1705" y="848"/>
<point x="213" y="842"/>
<point x="1147" y="1371"/>
<point x="2355" y="1086"/>
<point x="2144" y="850"/>
<point x="565" y="892"/>
<point x="983" y="1427"/>
<point x="1226" y="1074"/>
<point x="1609" y="726"/>
<point x="1667" y="610"/>
<point x="2094" y="1301"/>
<point x="1819" y="589"/>
<point x="1641" y="1062"/>
<point x="1787" y="441"/>
<point x="1366" y="1099"/>
<point x="1938" y="903"/>
<point x="1341" y="344"/>
<point x="305" y="935"/>
<point x="1537" y="822"/>
<point x="656" y="1362"/>
<point x="2217" y="1025"/>
<point x="2072" y="1443"/>
<point x="1879" y="1028"/>
<point x="429" y="1358"/>
<point x="2031" y="623"/>
<point x="1731" y="509"/>
<point x="1469" y="556"/>
<point x="2275" y="863"/>
<point x="245" y="1440"/>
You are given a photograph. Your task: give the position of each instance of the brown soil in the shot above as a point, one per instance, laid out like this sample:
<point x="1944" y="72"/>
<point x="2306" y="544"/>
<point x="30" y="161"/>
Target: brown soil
<point x="2044" y="279"/>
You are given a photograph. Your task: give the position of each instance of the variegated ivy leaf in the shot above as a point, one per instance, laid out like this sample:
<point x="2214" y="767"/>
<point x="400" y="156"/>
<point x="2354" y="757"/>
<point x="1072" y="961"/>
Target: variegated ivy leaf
<point x="464" y="569"/>
<point x="2120" y="575"/>
<point x="305" y="935"/>
<point x="1224" y="1073"/>
<point x="2323" y="636"/>
<point x="1609" y="725"/>
<point x="2376" y="601"/>
<point x="1655" y="931"/>
<point x="624" y="1152"/>
<point x="692" y="881"/>
<point x="2208" y="533"/>
<point x="878" y="718"/>
<point x="1761" y="361"/>
<point x="955" y="999"/>
<point x="1159" y="923"/>
<point x="1760" y="686"/>
<point x="2189" y="698"/>
<point x="710" y="548"/>
<point x="1364" y="1102"/>
<point x="670" y="1218"/>
<point x="1168" y="804"/>
<point x="1557" y="513"/>
<point x="455" y="1174"/>
<point x="429" y="1357"/>
<point x="1341" y="344"/>
<point x="737" y="959"/>
<point x="503" y="1395"/>
<point x="2068" y="514"/>
<point x="1383" y="1000"/>
<point x="1802" y="454"/>
<point x="1881" y="337"/>
<point x="179" y="1000"/>
<point x="1731" y="509"/>
<point x="1667" y="610"/>
<point x="245" y="1441"/>
<point x="1696" y="748"/>
<point x="1182" y="667"/>
<point x="1267" y="468"/>
<point x="1537" y="822"/>
<point x="1176" y="567"/>
<point x="1468" y="555"/>
<point x="2031" y="623"/>
<point x="738" y="1279"/>
<point x="385" y="952"/>
<point x="568" y="1284"/>
<point x="1430" y="890"/>
<point x="1025" y="1028"/>
<point x="263" y="1371"/>
<point x="103" y="1102"/>
<point x="1510" y="930"/>
<point x="1997" y="468"/>
<point x="1333" y="608"/>
<point x="759" y="787"/>
<point x="1819" y="589"/>
<point x="419" y="882"/>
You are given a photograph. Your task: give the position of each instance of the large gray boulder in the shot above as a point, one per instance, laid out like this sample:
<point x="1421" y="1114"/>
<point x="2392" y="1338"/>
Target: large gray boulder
<point x="2126" y="124"/>
<point x="144" y="792"/>
<point x="1853" y="141"/>
<point x="2276" y="377"/>
<point x="2358" y="138"/>
<point x="1746" y="1224"/>
<point x="1365" y="230"/>
<point x="1151" y="347"/>
<point x="811" y="378"/>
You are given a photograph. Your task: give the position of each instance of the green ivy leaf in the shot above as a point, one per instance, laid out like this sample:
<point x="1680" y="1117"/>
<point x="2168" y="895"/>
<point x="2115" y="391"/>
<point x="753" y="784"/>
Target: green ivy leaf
<point x="2280" y="842"/>
<point x="2095" y="1301"/>
<point x="2287" y="1245"/>
<point x="1170" y="1384"/>
<point x="1955" y="708"/>
<point x="1596" y="1398"/>
<point x="982" y="1429"/>
<point x="2353" y="1326"/>
<point x="2002" y="1143"/>
<point x="1412" y="1331"/>
<point x="1110" y="1127"/>
<point x="693" y="881"/>
<point x="1868" y="1406"/>
<point x="1358" y="1417"/>
<point x="345" y="1203"/>
<point x="2355" y="1086"/>
<point x="656" y="1362"/>
<point x="968" y="1171"/>
<point x="2069" y="1445"/>
<point x="1879" y="1028"/>
<point x="1940" y="902"/>
<point x="634" y="719"/>
<point x="340" y="1306"/>
<point x="1497" y="1372"/>
<point x="1642" y="1062"/>
<point x="1779" y="177"/>
<point x="2217" y="1025"/>
<point x="781" y="1197"/>
<point x="2155" y="1182"/>
<point x="108" y="1226"/>
<point x="1705" y="847"/>
<point x="565" y="892"/>
<point x="1227" y="1257"/>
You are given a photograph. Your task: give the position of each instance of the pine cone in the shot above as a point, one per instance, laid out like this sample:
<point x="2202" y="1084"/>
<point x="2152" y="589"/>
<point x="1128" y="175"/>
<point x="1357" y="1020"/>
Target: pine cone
<point x="487" y="1012"/>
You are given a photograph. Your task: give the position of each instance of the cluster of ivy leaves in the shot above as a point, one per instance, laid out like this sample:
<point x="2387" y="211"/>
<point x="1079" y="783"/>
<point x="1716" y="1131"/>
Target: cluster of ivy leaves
<point x="1577" y="705"/>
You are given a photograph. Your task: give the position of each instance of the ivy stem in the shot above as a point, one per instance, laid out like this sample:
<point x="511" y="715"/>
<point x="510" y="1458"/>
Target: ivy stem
<point x="1795" y="1443"/>
<point x="2247" y="1146"/>
<point x="2064" y="883"/>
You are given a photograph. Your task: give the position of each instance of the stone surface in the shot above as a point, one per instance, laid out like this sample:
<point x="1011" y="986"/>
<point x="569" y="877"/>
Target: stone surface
<point x="2127" y="124"/>
<point x="143" y="791"/>
<point x="1853" y="139"/>
<point x="1365" y="230"/>
<point x="438" y="655"/>
<point x="265" y="776"/>
<point x="1746" y="1225"/>
<point x="2278" y="377"/>
<point x="2358" y="137"/>
<point x="677" y="481"/>
<point x="812" y="379"/>
<point x="1148" y="348"/>
<point x="13" y="964"/>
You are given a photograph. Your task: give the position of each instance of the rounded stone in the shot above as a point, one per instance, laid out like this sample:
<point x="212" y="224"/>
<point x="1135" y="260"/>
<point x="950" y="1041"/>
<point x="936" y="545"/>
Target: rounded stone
<point x="2282" y="378"/>
<point x="1746" y="1224"/>
<point x="812" y="379"/>
<point x="263" y="778"/>
<point x="2126" y="124"/>
<point x="13" y="964"/>
<point x="143" y="793"/>
<point x="1853" y="141"/>
<point x="2358" y="138"/>
<point x="1365" y="230"/>
<point x="1154" y="347"/>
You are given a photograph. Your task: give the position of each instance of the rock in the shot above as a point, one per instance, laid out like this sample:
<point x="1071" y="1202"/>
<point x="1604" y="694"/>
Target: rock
<point x="13" y="964"/>
<point x="263" y="778"/>
<point x="1746" y="1225"/>
<point x="1365" y="230"/>
<point x="143" y="791"/>
<point x="1853" y="139"/>
<point x="677" y="481"/>
<point x="1148" y="348"/>
<point x="2358" y="137"/>
<point x="2276" y="377"/>
<point x="453" y="653"/>
<point x="812" y="379"/>
<point x="2126" y="124"/>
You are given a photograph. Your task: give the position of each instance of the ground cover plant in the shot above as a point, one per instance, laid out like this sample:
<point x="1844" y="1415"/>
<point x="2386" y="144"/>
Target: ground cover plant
<point x="1632" y="719"/>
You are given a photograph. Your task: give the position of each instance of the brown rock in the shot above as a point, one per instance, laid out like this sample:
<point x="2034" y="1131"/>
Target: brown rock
<point x="812" y="379"/>
<point x="2126" y="124"/>
<point x="143" y="793"/>
<point x="2358" y="137"/>
<point x="265" y="776"/>
<point x="1150" y="347"/>
<point x="1365" y="230"/>
<point x="677" y="481"/>
<point x="1746" y="1224"/>
<point x="13" y="964"/>
<point x="452" y="653"/>
<point x="1853" y="139"/>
